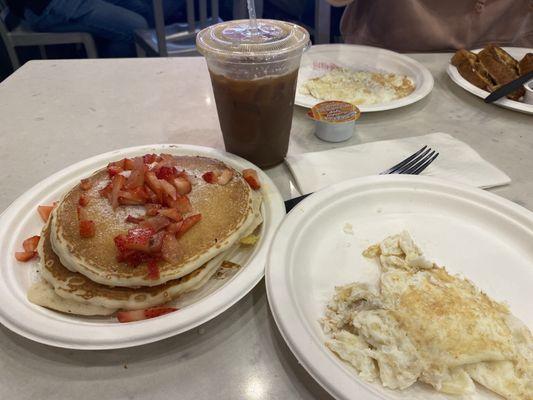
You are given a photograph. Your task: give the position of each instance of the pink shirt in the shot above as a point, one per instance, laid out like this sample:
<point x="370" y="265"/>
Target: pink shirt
<point x="438" y="25"/>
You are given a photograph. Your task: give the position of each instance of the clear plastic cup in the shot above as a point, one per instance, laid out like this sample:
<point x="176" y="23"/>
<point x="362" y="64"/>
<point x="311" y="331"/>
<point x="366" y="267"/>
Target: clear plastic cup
<point x="254" y="73"/>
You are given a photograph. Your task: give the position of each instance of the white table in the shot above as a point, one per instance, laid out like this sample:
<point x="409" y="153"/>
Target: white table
<point x="54" y="113"/>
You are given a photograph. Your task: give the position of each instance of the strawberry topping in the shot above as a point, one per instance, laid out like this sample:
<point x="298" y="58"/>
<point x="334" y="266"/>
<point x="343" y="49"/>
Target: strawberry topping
<point x="87" y="228"/>
<point x="209" y="177"/>
<point x="83" y="200"/>
<point x="25" y="255"/>
<point x="31" y="243"/>
<point x="45" y="211"/>
<point x="139" y="315"/>
<point x="188" y="223"/>
<point x="86" y="184"/>
<point x="153" y="270"/>
<point x="250" y="175"/>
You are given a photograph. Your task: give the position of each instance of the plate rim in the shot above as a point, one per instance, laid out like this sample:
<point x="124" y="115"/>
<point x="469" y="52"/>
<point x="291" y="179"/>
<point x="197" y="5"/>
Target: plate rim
<point x="425" y="89"/>
<point x="346" y="386"/>
<point x="509" y="104"/>
<point x="163" y="327"/>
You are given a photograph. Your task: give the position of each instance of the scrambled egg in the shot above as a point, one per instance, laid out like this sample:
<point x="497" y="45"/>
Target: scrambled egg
<point x="421" y="323"/>
<point x="358" y="87"/>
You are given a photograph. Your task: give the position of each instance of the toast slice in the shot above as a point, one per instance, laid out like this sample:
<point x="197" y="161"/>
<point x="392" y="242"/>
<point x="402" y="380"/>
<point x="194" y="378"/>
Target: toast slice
<point x="525" y="65"/>
<point x="501" y="67"/>
<point x="475" y="73"/>
<point x="462" y="55"/>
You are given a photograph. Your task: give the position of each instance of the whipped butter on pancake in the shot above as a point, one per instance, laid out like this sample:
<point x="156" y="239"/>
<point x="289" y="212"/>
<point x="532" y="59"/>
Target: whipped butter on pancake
<point x="141" y="232"/>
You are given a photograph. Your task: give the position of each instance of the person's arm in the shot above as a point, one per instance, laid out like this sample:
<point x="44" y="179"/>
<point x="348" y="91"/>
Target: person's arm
<point x="339" y="3"/>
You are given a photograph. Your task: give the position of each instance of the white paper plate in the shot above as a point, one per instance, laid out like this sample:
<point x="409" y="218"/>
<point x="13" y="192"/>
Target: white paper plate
<point x="517" y="53"/>
<point x="21" y="220"/>
<point x="315" y="63"/>
<point x="483" y="236"/>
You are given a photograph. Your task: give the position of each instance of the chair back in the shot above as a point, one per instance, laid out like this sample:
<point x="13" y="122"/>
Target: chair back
<point x="203" y="19"/>
<point x="5" y="36"/>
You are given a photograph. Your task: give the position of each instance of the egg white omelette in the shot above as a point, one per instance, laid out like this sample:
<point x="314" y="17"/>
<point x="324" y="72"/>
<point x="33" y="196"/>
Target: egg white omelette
<point x="358" y="87"/>
<point x="423" y="324"/>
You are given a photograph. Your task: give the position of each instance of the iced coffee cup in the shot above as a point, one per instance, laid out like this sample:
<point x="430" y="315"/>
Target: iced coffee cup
<point x="253" y="73"/>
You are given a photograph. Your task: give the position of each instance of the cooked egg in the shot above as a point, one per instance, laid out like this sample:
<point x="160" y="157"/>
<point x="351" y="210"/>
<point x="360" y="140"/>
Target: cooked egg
<point x="358" y="87"/>
<point x="423" y="324"/>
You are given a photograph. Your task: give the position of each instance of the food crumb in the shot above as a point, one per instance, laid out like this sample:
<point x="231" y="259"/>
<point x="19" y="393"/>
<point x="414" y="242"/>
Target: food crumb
<point x="125" y="366"/>
<point x="348" y="229"/>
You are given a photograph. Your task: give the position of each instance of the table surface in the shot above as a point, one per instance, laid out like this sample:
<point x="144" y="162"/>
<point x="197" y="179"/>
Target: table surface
<point x="55" y="113"/>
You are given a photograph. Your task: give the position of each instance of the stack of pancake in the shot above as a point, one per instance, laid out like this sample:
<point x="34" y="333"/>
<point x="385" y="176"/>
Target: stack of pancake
<point x="491" y="68"/>
<point x="90" y="272"/>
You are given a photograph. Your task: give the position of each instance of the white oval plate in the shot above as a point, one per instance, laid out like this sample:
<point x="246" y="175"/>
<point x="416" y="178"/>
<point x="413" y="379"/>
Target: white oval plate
<point x="481" y="235"/>
<point x="21" y="220"/>
<point x="517" y="53"/>
<point x="316" y="61"/>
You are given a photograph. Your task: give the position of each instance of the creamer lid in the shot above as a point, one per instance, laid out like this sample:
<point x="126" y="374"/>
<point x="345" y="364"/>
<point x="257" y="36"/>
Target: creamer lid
<point x="271" y="39"/>
<point x="334" y="112"/>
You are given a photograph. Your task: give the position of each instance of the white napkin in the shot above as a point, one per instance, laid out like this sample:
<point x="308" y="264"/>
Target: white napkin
<point x="457" y="162"/>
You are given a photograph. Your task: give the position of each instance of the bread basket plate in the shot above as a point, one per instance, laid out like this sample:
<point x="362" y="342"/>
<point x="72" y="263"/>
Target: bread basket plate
<point x="318" y="60"/>
<point x="515" y="52"/>
<point x="21" y="220"/>
<point x="318" y="246"/>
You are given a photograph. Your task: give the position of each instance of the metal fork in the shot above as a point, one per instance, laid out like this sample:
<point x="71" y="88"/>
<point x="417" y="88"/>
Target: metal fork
<point x="412" y="165"/>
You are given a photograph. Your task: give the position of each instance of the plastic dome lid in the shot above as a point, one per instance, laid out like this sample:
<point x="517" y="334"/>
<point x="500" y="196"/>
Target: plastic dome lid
<point x="238" y="41"/>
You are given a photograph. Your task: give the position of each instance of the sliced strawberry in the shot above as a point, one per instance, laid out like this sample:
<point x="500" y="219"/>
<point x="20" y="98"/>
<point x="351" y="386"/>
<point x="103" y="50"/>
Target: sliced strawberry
<point x="156" y="223"/>
<point x="87" y="228"/>
<point x="171" y="250"/>
<point x="225" y="176"/>
<point x="82" y="213"/>
<point x="168" y="189"/>
<point x="136" y="178"/>
<point x="174" y="227"/>
<point x="210" y="177"/>
<point x="152" y="209"/>
<point x="117" y="182"/>
<point x="150" y="158"/>
<point x="154" y="184"/>
<point x="114" y="170"/>
<point x="83" y="200"/>
<point x="134" y="220"/>
<point x="86" y="184"/>
<point x="166" y="173"/>
<point x="182" y="185"/>
<point x="168" y="158"/>
<point x="182" y="204"/>
<point x="158" y="311"/>
<point x="31" y="243"/>
<point x="106" y="191"/>
<point x="45" y="211"/>
<point x="153" y="270"/>
<point x="129" y="164"/>
<point x="156" y="242"/>
<point x="171" y="213"/>
<point x="136" y="196"/>
<point x="138" y="315"/>
<point x="25" y="255"/>
<point x="250" y="175"/>
<point x="188" y="223"/>
<point x="137" y="239"/>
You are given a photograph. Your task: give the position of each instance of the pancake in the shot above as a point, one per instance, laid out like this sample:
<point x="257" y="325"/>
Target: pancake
<point x="79" y="295"/>
<point x="228" y="211"/>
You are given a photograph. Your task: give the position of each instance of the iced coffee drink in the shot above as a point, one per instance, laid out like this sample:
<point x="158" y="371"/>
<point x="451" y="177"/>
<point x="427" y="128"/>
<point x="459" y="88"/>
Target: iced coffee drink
<point x="254" y="82"/>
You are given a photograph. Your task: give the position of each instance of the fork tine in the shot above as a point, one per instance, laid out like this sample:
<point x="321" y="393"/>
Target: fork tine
<point x="424" y="165"/>
<point x="403" y="162"/>
<point x="415" y="162"/>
